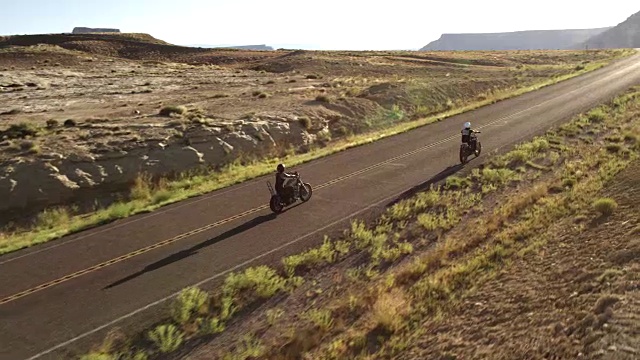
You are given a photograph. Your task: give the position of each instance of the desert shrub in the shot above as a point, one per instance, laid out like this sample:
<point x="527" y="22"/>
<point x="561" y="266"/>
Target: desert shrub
<point x="52" y="123"/>
<point x="21" y="131"/>
<point x="171" y="110"/>
<point x="389" y="310"/>
<point x="323" y="319"/>
<point x="323" y="98"/>
<point x="167" y="338"/>
<point x="189" y="301"/>
<point x="613" y="148"/>
<point x="51" y="218"/>
<point x="605" y="206"/>
<point x="455" y="182"/>
<point x="27" y="145"/>
<point x="264" y="280"/>
<point x="305" y="122"/>
<point x="597" y="115"/>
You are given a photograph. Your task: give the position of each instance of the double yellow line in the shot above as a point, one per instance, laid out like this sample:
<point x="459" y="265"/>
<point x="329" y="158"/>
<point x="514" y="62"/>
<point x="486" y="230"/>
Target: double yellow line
<point x="185" y="235"/>
<point x="254" y="210"/>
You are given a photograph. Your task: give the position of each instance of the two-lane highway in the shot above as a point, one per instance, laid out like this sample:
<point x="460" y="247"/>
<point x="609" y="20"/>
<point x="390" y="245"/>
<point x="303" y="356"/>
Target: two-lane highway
<point x="57" y="294"/>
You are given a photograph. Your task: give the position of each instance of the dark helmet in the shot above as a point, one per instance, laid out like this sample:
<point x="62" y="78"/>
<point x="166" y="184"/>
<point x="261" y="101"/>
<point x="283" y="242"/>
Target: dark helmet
<point x="280" y="168"/>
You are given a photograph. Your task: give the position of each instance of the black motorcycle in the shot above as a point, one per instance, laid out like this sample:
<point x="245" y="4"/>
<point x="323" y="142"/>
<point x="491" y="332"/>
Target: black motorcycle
<point x="301" y="191"/>
<point x="473" y="147"/>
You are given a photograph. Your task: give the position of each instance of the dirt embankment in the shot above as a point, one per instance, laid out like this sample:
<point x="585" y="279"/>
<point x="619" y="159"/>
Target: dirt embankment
<point x="81" y="126"/>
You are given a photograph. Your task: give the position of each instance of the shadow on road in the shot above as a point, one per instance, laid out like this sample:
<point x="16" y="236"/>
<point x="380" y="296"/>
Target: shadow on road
<point x="425" y="185"/>
<point x="194" y="250"/>
<point x="264" y="218"/>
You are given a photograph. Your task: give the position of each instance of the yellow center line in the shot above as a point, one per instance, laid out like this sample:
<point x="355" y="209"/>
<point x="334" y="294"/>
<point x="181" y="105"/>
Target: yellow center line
<point x="193" y="232"/>
<point x="236" y="217"/>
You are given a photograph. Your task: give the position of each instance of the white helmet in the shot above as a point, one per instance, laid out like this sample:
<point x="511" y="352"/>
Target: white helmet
<point x="467" y="125"/>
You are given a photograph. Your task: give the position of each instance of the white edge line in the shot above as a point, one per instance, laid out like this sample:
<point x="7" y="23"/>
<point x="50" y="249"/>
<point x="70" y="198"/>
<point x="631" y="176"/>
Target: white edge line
<point x="248" y="183"/>
<point x="131" y="221"/>
<point x="157" y="302"/>
<point x="247" y="262"/>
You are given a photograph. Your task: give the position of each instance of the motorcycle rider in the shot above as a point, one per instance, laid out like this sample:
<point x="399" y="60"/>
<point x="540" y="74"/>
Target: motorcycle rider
<point x="286" y="193"/>
<point x="466" y="135"/>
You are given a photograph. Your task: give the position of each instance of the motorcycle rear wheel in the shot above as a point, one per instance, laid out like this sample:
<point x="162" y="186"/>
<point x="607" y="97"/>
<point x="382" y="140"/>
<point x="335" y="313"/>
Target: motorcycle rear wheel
<point x="275" y="204"/>
<point x="463" y="154"/>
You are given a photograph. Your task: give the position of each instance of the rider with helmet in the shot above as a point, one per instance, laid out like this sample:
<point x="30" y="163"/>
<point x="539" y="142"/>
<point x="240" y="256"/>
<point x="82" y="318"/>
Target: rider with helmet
<point x="281" y="176"/>
<point x="466" y="135"/>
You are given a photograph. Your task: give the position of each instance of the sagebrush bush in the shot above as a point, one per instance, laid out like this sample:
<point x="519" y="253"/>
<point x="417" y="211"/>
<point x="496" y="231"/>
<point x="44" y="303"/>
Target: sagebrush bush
<point x="264" y="280"/>
<point x="50" y="218"/>
<point x="389" y="310"/>
<point x="190" y="301"/>
<point x="605" y="206"/>
<point x="597" y="115"/>
<point x="323" y="319"/>
<point x="305" y="122"/>
<point x="21" y="131"/>
<point x="323" y="98"/>
<point x="52" y="123"/>
<point x="171" y="110"/>
<point x="167" y="338"/>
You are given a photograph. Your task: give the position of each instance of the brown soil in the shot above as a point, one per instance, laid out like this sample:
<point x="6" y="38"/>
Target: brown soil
<point x="82" y="103"/>
<point x="576" y="295"/>
<point x="114" y="86"/>
<point x="577" y="298"/>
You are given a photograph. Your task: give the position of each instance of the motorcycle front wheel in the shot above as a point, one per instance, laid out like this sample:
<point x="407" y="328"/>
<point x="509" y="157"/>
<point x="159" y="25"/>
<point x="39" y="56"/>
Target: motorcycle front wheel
<point x="305" y="192"/>
<point x="478" y="148"/>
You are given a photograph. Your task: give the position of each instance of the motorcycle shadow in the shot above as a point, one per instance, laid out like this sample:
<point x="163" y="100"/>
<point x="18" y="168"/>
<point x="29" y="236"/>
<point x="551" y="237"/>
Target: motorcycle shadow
<point x="291" y="207"/>
<point x="181" y="255"/>
<point x="427" y="184"/>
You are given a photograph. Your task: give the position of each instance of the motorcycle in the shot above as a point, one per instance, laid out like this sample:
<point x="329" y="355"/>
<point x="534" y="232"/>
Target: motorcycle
<point x="466" y="149"/>
<point x="301" y="191"/>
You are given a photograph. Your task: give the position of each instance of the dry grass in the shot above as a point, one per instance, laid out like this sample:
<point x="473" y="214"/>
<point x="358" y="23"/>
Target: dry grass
<point x="406" y="82"/>
<point x="390" y="309"/>
<point x="466" y="253"/>
<point x="173" y="110"/>
<point x="605" y="206"/>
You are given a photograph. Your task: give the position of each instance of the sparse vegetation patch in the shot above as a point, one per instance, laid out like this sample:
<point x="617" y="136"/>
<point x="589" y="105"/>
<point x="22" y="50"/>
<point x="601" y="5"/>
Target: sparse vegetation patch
<point x="382" y="95"/>
<point x="374" y="290"/>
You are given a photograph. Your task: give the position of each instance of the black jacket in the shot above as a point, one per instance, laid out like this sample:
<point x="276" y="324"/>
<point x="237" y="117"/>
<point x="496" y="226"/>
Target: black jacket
<point x="281" y="177"/>
<point x="466" y="135"/>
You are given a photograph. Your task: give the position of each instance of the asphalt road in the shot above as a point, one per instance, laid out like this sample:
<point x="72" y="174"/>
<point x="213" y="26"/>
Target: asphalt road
<point x="56" y="296"/>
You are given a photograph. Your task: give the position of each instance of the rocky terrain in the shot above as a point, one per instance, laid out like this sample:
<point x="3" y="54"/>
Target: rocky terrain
<point x="624" y="35"/>
<point x="519" y="40"/>
<point x="84" y="115"/>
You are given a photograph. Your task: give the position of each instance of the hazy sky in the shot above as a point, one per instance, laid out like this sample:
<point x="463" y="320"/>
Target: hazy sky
<point x="319" y="24"/>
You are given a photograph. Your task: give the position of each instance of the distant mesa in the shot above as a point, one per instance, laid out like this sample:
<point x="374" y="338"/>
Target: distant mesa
<point x="239" y="47"/>
<point x="86" y="30"/>
<point x="253" y="47"/>
<point x="624" y="35"/>
<point x="519" y="40"/>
